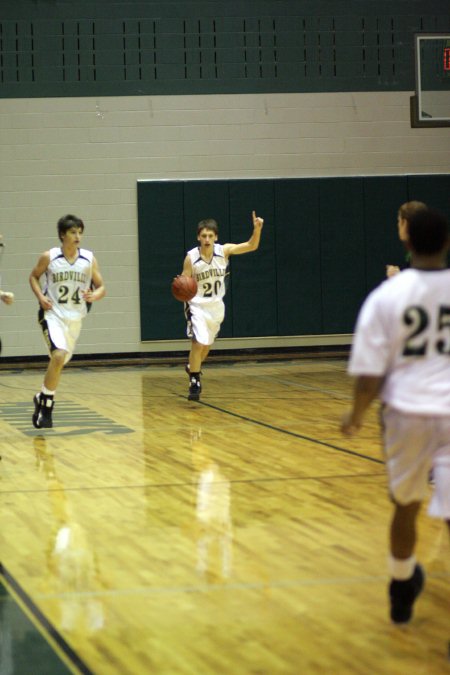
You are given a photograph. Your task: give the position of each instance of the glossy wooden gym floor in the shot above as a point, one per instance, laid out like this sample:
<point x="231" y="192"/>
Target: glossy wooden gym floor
<point x="239" y="535"/>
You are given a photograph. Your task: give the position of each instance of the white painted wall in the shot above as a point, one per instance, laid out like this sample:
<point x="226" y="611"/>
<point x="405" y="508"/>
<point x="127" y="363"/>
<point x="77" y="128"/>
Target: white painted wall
<point x="85" y="155"/>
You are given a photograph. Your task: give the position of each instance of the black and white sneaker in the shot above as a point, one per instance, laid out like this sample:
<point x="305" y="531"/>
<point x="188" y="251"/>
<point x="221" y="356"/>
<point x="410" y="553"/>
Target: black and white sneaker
<point x="195" y="387"/>
<point x="403" y="594"/>
<point x="36" y="408"/>
<point x="42" y="416"/>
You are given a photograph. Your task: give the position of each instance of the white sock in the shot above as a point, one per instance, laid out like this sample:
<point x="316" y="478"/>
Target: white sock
<point x="47" y="392"/>
<point x="401" y="569"/>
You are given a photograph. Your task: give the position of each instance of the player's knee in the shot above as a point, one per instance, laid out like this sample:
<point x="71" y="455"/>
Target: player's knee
<point x="198" y="346"/>
<point x="58" y="358"/>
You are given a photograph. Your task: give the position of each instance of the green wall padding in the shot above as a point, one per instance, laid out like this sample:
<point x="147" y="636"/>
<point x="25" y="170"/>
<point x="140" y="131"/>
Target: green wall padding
<point x="253" y="275"/>
<point x="298" y="264"/>
<point x="434" y="190"/>
<point x="342" y="251"/>
<point x="161" y="246"/>
<point x="325" y="245"/>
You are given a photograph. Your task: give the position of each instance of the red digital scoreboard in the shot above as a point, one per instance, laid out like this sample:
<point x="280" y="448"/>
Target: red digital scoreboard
<point x="447" y="59"/>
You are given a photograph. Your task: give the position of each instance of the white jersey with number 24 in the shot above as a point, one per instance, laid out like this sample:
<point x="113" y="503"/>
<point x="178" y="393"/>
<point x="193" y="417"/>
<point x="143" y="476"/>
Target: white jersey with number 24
<point x="66" y="282"/>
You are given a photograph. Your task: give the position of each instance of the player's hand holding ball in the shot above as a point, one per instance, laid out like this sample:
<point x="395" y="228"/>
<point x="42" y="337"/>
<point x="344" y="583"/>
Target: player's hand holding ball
<point x="184" y="288"/>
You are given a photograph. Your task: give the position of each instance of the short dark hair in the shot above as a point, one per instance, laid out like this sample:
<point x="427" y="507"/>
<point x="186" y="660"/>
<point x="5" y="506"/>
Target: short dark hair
<point x="209" y="224"/>
<point x="66" y="222"/>
<point x="428" y="232"/>
<point x="408" y="209"/>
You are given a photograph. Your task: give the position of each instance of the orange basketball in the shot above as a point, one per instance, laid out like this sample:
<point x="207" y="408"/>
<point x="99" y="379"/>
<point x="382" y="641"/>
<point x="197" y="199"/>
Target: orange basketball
<point x="184" y="288"/>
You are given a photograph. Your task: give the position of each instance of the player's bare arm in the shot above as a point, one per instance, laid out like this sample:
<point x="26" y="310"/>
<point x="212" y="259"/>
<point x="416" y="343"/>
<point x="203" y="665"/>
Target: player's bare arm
<point x="36" y="273"/>
<point x="252" y="244"/>
<point x="99" y="291"/>
<point x="367" y="388"/>
<point x="187" y="267"/>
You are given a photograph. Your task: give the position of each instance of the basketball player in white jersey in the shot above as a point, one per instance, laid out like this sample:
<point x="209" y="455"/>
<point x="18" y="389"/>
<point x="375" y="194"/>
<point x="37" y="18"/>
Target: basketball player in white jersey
<point x="72" y="281"/>
<point x="208" y="263"/>
<point x="401" y="353"/>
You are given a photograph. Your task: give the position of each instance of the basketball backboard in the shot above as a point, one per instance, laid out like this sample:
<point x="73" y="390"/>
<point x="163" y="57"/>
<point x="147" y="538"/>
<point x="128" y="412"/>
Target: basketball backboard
<point x="430" y="107"/>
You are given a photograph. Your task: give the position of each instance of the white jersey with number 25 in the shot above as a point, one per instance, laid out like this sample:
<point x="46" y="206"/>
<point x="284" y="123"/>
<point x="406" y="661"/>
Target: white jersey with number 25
<point x="403" y="333"/>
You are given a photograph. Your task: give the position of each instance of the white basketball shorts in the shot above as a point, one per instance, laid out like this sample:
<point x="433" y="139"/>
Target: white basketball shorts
<point x="415" y="444"/>
<point x="59" y="333"/>
<point x="204" y="321"/>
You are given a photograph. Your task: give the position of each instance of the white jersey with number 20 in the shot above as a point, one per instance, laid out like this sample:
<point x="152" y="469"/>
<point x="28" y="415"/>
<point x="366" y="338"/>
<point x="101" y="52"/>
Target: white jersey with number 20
<point x="210" y="276"/>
